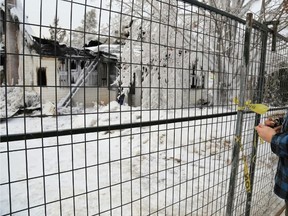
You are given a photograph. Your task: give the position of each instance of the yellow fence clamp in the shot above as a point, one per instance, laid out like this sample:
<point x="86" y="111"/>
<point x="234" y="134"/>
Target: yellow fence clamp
<point x="257" y="108"/>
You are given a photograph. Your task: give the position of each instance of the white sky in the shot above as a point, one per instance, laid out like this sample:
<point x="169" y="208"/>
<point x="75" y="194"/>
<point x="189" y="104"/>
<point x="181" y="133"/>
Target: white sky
<point x="68" y="19"/>
<point x="71" y="12"/>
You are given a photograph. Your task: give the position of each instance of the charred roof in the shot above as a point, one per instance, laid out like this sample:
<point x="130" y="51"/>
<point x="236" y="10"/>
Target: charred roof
<point x="52" y="48"/>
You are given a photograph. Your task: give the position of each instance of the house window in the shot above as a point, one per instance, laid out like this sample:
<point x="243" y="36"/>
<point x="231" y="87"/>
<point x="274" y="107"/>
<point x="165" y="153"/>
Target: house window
<point x="61" y="65"/>
<point x="132" y="85"/>
<point x="102" y="74"/>
<point x="63" y="72"/>
<point x="2" y="74"/>
<point x="196" y="81"/>
<point x="41" y="77"/>
<point x="2" y="59"/>
<point x="202" y="81"/>
<point x="104" y="82"/>
<point x="73" y="65"/>
<point x="83" y="64"/>
<point x="72" y="80"/>
<point x="63" y="78"/>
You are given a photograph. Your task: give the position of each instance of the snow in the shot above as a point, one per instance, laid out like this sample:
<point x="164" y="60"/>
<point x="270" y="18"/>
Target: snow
<point x="12" y="99"/>
<point x="160" y="165"/>
<point x="108" y="48"/>
<point x="17" y="15"/>
<point x="166" y="49"/>
<point x="145" y="169"/>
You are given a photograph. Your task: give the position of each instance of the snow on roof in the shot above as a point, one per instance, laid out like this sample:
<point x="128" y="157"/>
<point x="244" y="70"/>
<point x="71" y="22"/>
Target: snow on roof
<point x="108" y="48"/>
<point x="111" y="51"/>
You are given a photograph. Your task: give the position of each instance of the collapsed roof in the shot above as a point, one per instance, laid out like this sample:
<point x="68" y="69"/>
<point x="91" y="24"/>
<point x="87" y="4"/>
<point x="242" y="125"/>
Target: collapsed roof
<point x="47" y="47"/>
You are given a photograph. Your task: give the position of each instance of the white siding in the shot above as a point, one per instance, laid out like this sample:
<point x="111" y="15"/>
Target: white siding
<point x="53" y="92"/>
<point x="26" y="69"/>
<point x="99" y="95"/>
<point x="88" y="95"/>
<point x="50" y="64"/>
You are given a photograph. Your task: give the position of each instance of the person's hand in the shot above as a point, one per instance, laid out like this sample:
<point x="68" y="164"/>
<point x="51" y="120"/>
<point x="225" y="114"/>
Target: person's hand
<point x="270" y="123"/>
<point x="265" y="132"/>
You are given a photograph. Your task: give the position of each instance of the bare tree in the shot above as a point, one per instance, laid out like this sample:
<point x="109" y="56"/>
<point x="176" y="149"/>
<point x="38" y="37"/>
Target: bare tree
<point x="56" y="33"/>
<point x="223" y="40"/>
<point x="87" y="31"/>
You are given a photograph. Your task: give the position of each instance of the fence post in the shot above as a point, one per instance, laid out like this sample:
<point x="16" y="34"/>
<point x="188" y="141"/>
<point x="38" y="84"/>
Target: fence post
<point x="239" y="123"/>
<point x="258" y="97"/>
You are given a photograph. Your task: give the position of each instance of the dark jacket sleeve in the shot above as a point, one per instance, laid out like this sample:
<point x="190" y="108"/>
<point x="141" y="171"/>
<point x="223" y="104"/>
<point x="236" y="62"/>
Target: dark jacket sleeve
<point x="279" y="144"/>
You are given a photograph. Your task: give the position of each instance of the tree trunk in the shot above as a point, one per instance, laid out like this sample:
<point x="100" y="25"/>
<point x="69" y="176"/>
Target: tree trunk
<point x="220" y="72"/>
<point x="12" y="58"/>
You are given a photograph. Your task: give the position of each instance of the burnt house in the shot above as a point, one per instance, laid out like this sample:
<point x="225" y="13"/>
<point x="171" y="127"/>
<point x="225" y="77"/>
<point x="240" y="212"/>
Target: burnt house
<point x="79" y="75"/>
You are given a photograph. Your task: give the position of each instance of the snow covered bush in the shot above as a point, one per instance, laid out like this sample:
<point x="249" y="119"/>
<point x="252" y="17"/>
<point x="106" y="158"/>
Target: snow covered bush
<point x="161" y="57"/>
<point x="13" y="99"/>
<point x="167" y="39"/>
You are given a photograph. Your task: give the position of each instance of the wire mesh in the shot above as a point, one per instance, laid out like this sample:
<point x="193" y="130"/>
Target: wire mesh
<point x="126" y="108"/>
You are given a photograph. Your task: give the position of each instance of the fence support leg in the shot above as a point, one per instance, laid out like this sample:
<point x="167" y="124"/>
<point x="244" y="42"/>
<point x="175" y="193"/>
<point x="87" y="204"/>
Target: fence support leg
<point x="239" y="123"/>
<point x="258" y="97"/>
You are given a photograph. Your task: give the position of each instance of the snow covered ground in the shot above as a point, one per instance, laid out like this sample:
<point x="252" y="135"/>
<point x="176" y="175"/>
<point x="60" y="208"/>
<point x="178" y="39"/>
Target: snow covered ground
<point x="172" y="169"/>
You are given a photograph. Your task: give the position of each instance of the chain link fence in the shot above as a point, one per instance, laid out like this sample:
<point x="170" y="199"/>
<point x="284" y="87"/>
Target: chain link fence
<point x="129" y="108"/>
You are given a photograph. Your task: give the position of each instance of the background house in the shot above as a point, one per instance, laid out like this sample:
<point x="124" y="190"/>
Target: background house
<point x="69" y="76"/>
<point x="60" y="74"/>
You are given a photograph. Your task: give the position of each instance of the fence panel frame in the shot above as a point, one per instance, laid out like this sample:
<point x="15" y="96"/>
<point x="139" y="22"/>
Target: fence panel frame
<point x="258" y="98"/>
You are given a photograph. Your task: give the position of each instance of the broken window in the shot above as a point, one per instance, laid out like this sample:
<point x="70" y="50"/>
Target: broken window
<point x="2" y="74"/>
<point x="41" y="77"/>
<point x="102" y="70"/>
<point x="83" y="64"/>
<point x="132" y="85"/>
<point x="73" y="65"/>
<point x="194" y="78"/>
<point x="2" y="59"/>
<point x="63" y="73"/>
<point x="196" y="81"/>
<point x="63" y="78"/>
<point x="62" y="65"/>
<point x="104" y="80"/>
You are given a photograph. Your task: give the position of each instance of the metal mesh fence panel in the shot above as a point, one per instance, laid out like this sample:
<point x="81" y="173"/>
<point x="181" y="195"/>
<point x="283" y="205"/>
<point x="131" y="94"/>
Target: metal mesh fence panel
<point x="128" y="108"/>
